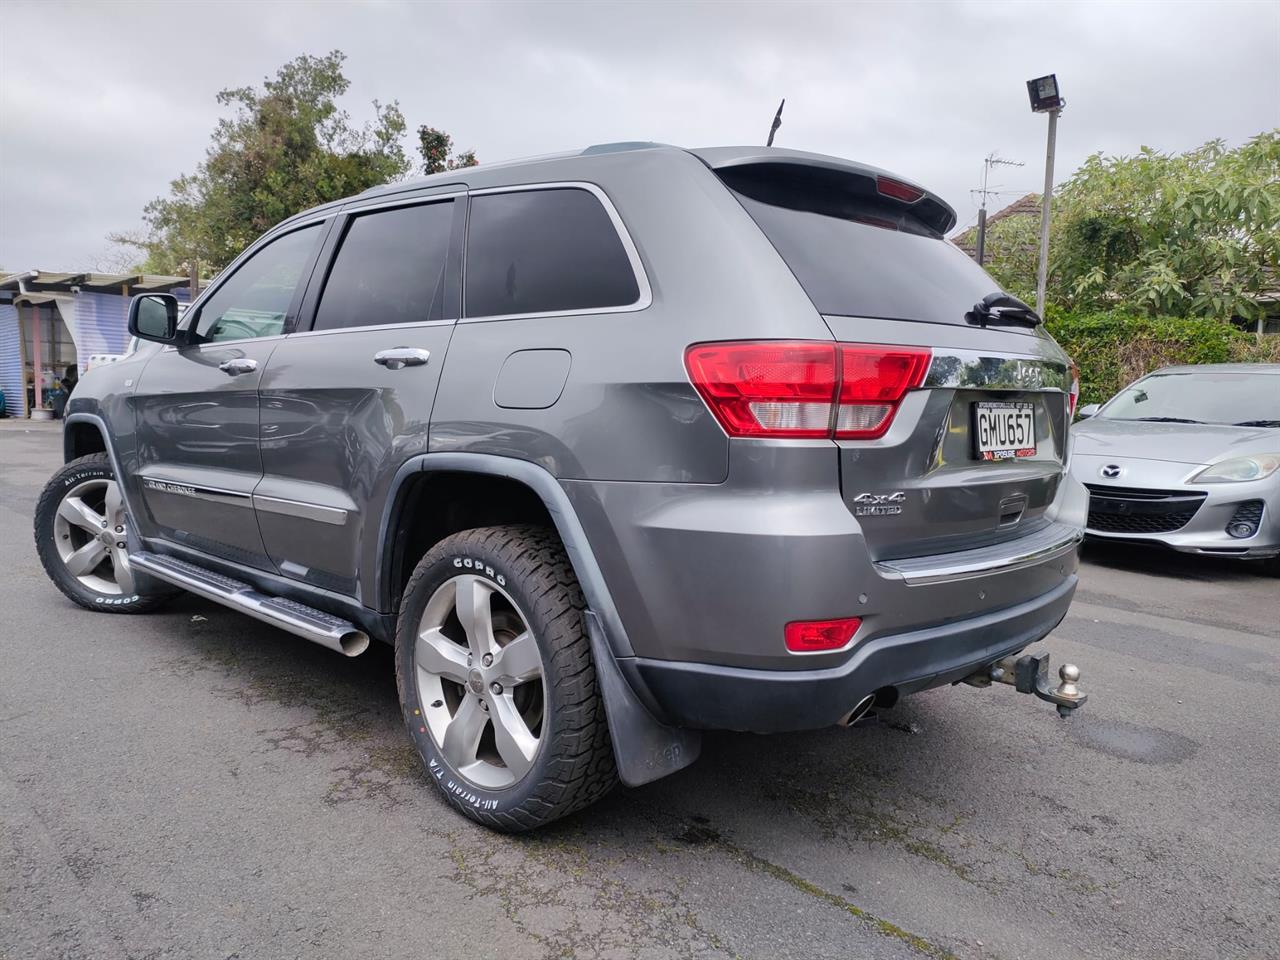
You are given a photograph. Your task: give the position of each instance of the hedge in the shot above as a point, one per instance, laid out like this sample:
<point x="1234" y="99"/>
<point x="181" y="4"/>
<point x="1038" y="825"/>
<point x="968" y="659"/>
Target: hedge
<point x="1114" y="348"/>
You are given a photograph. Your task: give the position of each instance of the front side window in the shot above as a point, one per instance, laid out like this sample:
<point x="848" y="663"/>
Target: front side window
<point x="544" y="251"/>
<point x="391" y="268"/>
<point x="254" y="301"/>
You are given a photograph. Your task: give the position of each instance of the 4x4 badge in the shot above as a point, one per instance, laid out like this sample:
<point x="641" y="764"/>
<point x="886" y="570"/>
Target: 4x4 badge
<point x="878" y="504"/>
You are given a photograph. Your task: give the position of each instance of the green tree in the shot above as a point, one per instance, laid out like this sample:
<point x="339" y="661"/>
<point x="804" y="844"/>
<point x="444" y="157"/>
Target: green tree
<point x="1191" y="234"/>
<point x="285" y="147"/>
<point x="436" y="148"/>
<point x="1012" y="251"/>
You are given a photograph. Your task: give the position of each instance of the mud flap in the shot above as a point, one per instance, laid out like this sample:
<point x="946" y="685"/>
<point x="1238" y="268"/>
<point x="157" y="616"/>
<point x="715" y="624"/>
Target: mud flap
<point x="644" y="749"/>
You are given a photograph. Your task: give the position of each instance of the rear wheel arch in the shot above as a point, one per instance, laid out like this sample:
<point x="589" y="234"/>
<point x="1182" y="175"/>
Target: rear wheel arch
<point x="536" y="497"/>
<point x="645" y="747"/>
<point x="435" y="504"/>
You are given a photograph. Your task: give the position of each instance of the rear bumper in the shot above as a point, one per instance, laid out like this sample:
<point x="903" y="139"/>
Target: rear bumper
<point x="713" y="697"/>
<point x="712" y="574"/>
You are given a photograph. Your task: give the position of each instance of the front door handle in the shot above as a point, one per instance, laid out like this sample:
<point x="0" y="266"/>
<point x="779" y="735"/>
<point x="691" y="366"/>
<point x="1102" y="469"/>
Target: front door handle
<point x="399" y="357"/>
<point x="238" y="366"/>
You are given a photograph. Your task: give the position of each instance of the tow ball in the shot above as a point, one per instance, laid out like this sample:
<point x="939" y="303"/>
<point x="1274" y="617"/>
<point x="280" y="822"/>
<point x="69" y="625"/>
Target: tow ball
<point x="1029" y="673"/>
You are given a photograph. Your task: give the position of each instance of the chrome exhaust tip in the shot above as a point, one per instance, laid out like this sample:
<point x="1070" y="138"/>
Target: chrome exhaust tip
<point x="353" y="643"/>
<point x="859" y="711"/>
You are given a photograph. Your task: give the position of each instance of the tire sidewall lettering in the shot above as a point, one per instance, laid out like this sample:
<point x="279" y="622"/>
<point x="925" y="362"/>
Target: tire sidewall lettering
<point x="481" y="567"/>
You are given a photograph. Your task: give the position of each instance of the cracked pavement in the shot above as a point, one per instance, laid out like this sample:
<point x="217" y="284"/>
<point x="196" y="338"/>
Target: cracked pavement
<point x="193" y="783"/>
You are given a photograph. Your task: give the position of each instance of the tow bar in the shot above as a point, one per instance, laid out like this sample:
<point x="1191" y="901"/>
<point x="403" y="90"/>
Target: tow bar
<point x="1029" y="673"/>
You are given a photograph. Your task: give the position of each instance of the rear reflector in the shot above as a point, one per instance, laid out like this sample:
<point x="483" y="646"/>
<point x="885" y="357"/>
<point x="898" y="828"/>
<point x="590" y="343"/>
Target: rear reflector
<point x="805" y="389"/>
<point x="813" y="636"/>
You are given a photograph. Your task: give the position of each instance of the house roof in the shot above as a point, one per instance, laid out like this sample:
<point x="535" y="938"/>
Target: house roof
<point x="54" y="281"/>
<point x="1028" y="206"/>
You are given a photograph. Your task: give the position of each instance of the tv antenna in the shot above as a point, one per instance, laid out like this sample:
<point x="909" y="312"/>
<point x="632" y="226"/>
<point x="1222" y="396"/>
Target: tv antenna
<point x="992" y="160"/>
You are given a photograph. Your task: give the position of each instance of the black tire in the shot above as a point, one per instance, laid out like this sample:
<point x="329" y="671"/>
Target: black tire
<point x="93" y="467"/>
<point x="574" y="765"/>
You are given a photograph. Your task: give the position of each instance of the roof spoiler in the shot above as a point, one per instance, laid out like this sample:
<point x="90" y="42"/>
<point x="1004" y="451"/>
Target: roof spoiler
<point x="832" y="174"/>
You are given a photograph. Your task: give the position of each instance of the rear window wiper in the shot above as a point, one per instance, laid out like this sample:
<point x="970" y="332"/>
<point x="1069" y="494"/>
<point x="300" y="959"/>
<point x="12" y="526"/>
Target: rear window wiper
<point x="1257" y="423"/>
<point x="1002" y="310"/>
<point x="1167" y="420"/>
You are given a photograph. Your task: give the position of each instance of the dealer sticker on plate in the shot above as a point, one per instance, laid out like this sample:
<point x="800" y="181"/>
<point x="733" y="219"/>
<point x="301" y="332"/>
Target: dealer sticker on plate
<point x="1003" y="431"/>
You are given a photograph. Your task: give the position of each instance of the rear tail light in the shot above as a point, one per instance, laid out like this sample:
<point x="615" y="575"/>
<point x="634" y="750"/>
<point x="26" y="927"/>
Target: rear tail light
<point x="1073" y="398"/>
<point x="815" y="636"/>
<point x="872" y="381"/>
<point x="767" y="388"/>
<point x="804" y="389"/>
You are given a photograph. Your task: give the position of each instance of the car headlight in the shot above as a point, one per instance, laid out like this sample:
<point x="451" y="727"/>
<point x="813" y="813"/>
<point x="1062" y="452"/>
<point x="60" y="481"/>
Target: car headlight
<point x="1238" y="469"/>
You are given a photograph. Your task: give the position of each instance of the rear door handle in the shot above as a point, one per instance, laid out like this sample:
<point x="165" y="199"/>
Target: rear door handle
<point x="399" y="357"/>
<point x="238" y="366"/>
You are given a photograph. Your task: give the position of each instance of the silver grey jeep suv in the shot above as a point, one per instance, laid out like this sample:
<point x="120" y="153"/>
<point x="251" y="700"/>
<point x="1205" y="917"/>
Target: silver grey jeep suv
<point x="613" y="447"/>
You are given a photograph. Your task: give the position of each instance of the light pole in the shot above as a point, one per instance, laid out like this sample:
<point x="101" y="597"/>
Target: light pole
<point x="1046" y="98"/>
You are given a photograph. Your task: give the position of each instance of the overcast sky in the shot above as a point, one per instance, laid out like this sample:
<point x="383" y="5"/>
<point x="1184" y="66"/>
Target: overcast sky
<point x="101" y="105"/>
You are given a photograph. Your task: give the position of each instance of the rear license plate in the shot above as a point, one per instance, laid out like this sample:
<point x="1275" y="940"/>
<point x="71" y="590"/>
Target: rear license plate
<point x="1003" y="431"/>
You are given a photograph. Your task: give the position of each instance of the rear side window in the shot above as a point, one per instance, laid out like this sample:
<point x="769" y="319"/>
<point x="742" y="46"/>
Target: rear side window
<point x="390" y="268"/>
<point x="858" y="254"/>
<point x="544" y="251"/>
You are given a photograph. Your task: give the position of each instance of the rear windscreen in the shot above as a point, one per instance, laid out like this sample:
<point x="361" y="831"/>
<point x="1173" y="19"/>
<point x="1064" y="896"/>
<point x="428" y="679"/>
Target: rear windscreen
<point x="855" y="252"/>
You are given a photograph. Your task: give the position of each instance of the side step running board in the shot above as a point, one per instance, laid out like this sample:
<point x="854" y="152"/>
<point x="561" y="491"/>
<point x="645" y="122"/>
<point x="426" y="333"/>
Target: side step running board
<point x="315" y="625"/>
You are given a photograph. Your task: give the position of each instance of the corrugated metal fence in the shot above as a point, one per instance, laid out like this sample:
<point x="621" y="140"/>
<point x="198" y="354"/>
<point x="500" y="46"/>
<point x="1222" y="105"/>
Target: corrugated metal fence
<point x="102" y="321"/>
<point x="11" y="379"/>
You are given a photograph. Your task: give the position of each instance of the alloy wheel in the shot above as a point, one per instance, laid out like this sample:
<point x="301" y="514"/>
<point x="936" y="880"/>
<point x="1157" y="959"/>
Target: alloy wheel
<point x="89" y="533"/>
<point x="480" y="681"/>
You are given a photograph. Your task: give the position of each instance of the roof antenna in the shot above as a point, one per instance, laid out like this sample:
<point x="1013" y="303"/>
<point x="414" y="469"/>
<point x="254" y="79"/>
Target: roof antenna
<point x="777" y="122"/>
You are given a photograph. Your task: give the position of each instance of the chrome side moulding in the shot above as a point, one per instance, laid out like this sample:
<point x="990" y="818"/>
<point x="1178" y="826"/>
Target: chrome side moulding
<point x="296" y="508"/>
<point x="179" y="489"/>
<point x="289" y="508"/>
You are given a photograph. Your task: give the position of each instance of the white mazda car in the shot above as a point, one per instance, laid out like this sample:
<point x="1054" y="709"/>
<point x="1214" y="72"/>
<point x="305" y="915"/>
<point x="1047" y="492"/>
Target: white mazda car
<point x="1188" y="458"/>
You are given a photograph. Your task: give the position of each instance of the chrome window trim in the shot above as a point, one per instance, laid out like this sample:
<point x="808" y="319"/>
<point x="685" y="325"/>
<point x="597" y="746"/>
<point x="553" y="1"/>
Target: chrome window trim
<point x="976" y="370"/>
<point x="223" y="344"/>
<point x="645" y="297"/>
<point x="353" y="210"/>
<point x="371" y="328"/>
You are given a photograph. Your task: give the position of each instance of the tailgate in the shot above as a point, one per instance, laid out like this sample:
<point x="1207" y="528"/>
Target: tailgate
<point x="933" y="483"/>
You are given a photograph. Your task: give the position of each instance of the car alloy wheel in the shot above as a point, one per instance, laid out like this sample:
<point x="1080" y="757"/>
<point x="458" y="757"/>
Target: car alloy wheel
<point x="480" y="681"/>
<point x="89" y="533"/>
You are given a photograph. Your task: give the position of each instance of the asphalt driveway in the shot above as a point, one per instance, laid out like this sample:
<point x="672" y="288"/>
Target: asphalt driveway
<point x="193" y="783"/>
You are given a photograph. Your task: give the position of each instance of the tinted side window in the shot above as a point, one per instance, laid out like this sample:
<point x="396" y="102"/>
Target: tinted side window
<point x="390" y="268"/>
<point x="254" y="300"/>
<point x="541" y="251"/>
